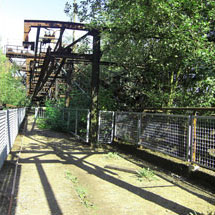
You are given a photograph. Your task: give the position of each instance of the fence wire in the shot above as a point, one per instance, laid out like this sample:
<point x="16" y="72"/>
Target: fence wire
<point x="127" y="126"/>
<point x="78" y="122"/>
<point x="106" y="127"/>
<point x="190" y="138"/>
<point x="10" y="121"/>
<point x="203" y="141"/>
<point x="166" y="133"/>
<point x="75" y="121"/>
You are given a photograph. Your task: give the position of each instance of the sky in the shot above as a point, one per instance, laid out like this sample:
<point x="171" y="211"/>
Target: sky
<point x="14" y="12"/>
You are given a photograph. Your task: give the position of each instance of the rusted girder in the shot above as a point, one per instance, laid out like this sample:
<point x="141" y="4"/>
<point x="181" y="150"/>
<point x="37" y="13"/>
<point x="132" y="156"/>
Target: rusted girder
<point x="28" y="24"/>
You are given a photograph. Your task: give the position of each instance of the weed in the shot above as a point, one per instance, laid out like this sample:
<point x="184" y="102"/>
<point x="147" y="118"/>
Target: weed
<point x="112" y="155"/>
<point x="72" y="178"/>
<point x="145" y="173"/>
<point x="81" y="191"/>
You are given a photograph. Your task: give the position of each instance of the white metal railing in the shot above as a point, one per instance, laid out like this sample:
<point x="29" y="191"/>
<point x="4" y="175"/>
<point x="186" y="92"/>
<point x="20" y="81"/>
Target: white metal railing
<point x="10" y="121"/>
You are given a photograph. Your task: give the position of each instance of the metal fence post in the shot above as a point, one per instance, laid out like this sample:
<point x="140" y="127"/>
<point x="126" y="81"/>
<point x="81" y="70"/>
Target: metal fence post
<point x="7" y="138"/>
<point x="139" y="124"/>
<point x="99" y="126"/>
<point x="113" y="127"/>
<point x="189" y="139"/>
<point x="88" y="126"/>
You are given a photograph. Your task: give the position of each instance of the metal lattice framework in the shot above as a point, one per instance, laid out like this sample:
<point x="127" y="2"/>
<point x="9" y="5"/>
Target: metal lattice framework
<point x="46" y="61"/>
<point x="45" y="57"/>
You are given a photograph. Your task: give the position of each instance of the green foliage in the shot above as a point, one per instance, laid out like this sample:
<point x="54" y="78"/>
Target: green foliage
<point x="112" y="155"/>
<point x="80" y="190"/>
<point x="54" y="117"/>
<point x="163" y="48"/>
<point x="12" y="90"/>
<point x="146" y="173"/>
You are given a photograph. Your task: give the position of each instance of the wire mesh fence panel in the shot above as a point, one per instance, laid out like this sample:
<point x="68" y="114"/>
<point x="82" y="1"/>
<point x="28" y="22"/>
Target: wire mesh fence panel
<point x="203" y="141"/>
<point x="41" y="112"/>
<point x="106" y="126"/>
<point x="10" y="121"/>
<point x="127" y="126"/>
<point x="166" y="133"/>
<point x="78" y="122"/>
<point x="3" y="137"/>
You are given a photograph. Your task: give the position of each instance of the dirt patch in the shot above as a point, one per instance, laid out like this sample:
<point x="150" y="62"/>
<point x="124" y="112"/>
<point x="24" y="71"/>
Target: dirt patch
<point x="59" y="175"/>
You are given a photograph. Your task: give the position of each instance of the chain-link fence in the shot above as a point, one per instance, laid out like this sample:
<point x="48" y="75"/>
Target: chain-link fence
<point x="10" y="121"/>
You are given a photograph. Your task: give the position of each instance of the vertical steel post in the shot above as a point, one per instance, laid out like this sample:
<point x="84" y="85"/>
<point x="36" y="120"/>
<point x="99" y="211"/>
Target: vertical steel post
<point x="139" y="127"/>
<point x="88" y="126"/>
<point x="99" y="126"/>
<point x="189" y="139"/>
<point x="194" y="139"/>
<point x="95" y="88"/>
<point x="113" y="127"/>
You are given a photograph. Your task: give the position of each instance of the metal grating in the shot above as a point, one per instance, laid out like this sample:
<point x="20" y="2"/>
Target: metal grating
<point x="203" y="141"/>
<point x="127" y="126"/>
<point x="166" y="133"/>
<point x="75" y="121"/>
<point x="78" y="122"/>
<point x="106" y="127"/>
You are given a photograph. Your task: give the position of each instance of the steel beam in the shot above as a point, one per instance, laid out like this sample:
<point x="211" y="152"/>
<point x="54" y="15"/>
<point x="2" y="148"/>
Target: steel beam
<point x="28" y="24"/>
<point x="95" y="88"/>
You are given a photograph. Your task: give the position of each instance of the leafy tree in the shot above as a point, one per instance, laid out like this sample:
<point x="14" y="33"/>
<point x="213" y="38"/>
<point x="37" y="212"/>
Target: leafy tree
<point x="12" y="90"/>
<point x="165" y="50"/>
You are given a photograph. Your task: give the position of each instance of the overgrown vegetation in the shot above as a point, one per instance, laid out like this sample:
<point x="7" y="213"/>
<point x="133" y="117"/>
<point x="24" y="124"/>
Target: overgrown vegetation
<point x="164" y="51"/>
<point x="12" y="89"/>
<point x="59" y="118"/>
<point x="145" y="173"/>
<point x="112" y="155"/>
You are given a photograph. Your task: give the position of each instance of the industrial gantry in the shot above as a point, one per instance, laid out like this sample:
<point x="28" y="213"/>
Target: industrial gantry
<point x="47" y="61"/>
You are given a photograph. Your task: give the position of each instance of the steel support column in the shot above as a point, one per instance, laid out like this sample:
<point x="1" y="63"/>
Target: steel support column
<point x="95" y="88"/>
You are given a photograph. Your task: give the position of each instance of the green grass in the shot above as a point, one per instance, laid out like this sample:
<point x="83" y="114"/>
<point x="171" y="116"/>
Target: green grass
<point x="112" y="155"/>
<point x="145" y="173"/>
<point x="80" y="190"/>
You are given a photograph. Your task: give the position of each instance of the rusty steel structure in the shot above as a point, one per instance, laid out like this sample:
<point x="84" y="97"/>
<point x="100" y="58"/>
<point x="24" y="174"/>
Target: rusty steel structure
<point x="45" y="57"/>
<point x="46" y="61"/>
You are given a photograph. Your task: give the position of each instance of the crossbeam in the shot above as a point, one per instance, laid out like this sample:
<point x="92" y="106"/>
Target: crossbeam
<point x="28" y="24"/>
